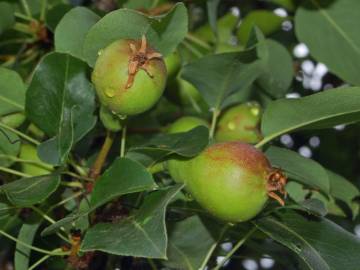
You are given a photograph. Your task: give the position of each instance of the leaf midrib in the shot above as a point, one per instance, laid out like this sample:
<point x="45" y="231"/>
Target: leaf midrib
<point x="186" y="259"/>
<point x="66" y="75"/>
<point x="306" y="123"/>
<point x="336" y="26"/>
<point x="138" y="226"/>
<point x="29" y="186"/>
<point x="300" y="238"/>
<point x="11" y="102"/>
<point x="224" y="86"/>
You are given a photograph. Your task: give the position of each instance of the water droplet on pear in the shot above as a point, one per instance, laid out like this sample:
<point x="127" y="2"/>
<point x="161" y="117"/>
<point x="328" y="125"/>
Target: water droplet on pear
<point x="110" y="92"/>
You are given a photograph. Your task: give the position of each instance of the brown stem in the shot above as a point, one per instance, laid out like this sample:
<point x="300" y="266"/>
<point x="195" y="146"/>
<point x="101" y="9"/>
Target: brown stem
<point x="95" y="170"/>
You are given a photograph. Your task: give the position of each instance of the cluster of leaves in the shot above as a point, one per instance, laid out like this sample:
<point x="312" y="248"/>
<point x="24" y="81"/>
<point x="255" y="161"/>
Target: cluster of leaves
<point x="134" y="210"/>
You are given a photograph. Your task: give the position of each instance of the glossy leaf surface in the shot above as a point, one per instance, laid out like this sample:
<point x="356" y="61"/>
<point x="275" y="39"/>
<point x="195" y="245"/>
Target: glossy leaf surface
<point x="321" y="243"/>
<point x="60" y="101"/>
<point x="299" y="168"/>
<point x="28" y="191"/>
<point x="322" y="110"/>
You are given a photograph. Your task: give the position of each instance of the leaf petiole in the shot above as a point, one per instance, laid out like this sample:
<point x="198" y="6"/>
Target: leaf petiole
<point x="26" y="7"/>
<point x="123" y="141"/>
<point x="264" y="141"/>
<point x="55" y="252"/>
<point x="14" y="172"/>
<point x="43" y="10"/>
<point x="22" y="16"/>
<point x="197" y="41"/>
<point x="40" y="261"/>
<point x="20" y="134"/>
<point x="215" y="116"/>
<point x="191" y="48"/>
<point x="104" y="151"/>
<point x="157" y="167"/>
<point x="211" y="250"/>
<point x="50" y="220"/>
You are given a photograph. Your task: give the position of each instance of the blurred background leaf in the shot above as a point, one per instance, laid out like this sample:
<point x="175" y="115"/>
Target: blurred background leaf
<point x="71" y="31"/>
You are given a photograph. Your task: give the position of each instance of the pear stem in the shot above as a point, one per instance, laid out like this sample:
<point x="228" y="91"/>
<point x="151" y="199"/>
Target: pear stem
<point x="123" y="141"/>
<point x="95" y="171"/>
<point x="215" y="116"/>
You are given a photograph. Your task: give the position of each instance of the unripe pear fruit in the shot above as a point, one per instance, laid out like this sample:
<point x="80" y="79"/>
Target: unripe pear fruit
<point x="233" y="181"/>
<point x="173" y="63"/>
<point x="177" y="166"/>
<point x="29" y="152"/>
<point x="186" y="123"/>
<point x="129" y="76"/>
<point x="189" y="95"/>
<point x="240" y="123"/>
<point x="13" y="120"/>
<point x="110" y="121"/>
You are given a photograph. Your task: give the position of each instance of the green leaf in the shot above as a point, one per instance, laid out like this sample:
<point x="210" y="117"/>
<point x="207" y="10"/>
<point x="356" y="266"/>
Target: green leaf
<point x="6" y="210"/>
<point x="9" y="146"/>
<point x="141" y="235"/>
<point x="12" y="92"/>
<point x="299" y="168"/>
<point x="7" y="18"/>
<point x="266" y="20"/>
<point x="337" y="39"/>
<point x="68" y="222"/>
<point x="77" y="220"/>
<point x="212" y="8"/>
<point x="321" y="243"/>
<point x="322" y="110"/>
<point x="278" y="73"/>
<point x="184" y="251"/>
<point x="186" y="144"/>
<point x="55" y="14"/>
<point x="218" y="76"/>
<point x="123" y="177"/>
<point x="60" y="101"/>
<point x="22" y="254"/>
<point x="343" y="190"/>
<point x="72" y="29"/>
<point x="330" y="204"/>
<point x="142" y="4"/>
<point x="29" y="191"/>
<point x="299" y="193"/>
<point x="163" y="33"/>
<point x="314" y="206"/>
<point x="296" y="191"/>
<point x="224" y="28"/>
